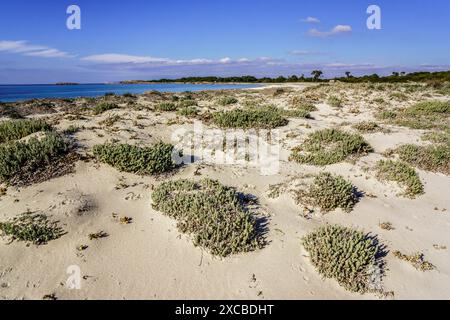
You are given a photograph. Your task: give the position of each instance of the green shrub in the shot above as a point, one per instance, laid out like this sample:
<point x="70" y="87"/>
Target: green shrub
<point x="18" y="157"/>
<point x="187" y="111"/>
<point x="297" y="113"/>
<point x="166" y="106"/>
<point x="329" y="146"/>
<point x="34" y="228"/>
<point x="329" y="192"/>
<point x="103" y="107"/>
<point x="402" y="173"/>
<point x="307" y="107"/>
<point x="438" y="137"/>
<point x="386" y="115"/>
<point x="429" y="108"/>
<point x="213" y="214"/>
<point x="139" y="160"/>
<point x="434" y="158"/>
<point x="18" y="129"/>
<point x="367" y="127"/>
<point x="334" y="102"/>
<point x="346" y="255"/>
<point x="423" y="115"/>
<point x="187" y="103"/>
<point x="226" y="101"/>
<point x="268" y="117"/>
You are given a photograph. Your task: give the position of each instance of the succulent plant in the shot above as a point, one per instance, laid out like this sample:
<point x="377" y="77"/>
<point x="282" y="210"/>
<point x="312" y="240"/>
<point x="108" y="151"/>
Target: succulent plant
<point x="329" y="146"/>
<point x="156" y="159"/>
<point x="214" y="215"/>
<point x="346" y="255"/>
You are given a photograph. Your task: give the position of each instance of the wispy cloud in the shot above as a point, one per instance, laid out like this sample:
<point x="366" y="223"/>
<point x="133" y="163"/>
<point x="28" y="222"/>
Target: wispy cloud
<point x="121" y="58"/>
<point x="337" y="30"/>
<point x="305" y="53"/>
<point x="130" y="60"/>
<point x="24" y="48"/>
<point x="311" y="20"/>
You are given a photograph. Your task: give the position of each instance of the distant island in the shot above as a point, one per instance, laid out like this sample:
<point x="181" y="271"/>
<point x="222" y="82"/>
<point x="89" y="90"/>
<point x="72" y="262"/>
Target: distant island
<point x="66" y="84"/>
<point x="316" y="76"/>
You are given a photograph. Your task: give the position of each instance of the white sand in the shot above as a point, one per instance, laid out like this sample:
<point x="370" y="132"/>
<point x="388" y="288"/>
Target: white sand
<point x="150" y="259"/>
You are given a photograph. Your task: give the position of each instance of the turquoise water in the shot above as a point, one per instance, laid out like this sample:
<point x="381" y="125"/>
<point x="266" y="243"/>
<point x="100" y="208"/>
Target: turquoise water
<point x="11" y="93"/>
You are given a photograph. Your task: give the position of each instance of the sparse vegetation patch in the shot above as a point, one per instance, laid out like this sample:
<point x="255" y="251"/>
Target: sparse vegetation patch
<point x="18" y="129"/>
<point x="156" y="159"/>
<point x="417" y="260"/>
<point x="346" y="255"/>
<point x="330" y="146"/>
<point x="30" y="227"/>
<point x="435" y="158"/>
<point x="103" y="107"/>
<point x="215" y="216"/>
<point x="18" y="159"/>
<point x="329" y="192"/>
<point x="402" y="173"/>
<point x="226" y="101"/>
<point x="267" y="117"/>
<point x="367" y="127"/>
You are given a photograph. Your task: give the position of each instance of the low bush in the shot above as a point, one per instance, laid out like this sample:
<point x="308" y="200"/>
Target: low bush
<point x="166" y="106"/>
<point x="329" y="192"/>
<point x="34" y="228"/>
<point x="402" y="173"/>
<point x="268" y="117"/>
<point x="438" y="137"/>
<point x="226" y="101"/>
<point x="346" y="255"/>
<point x="214" y="215"/>
<point x="156" y="159"/>
<point x="329" y="146"/>
<point x="187" y="111"/>
<point x="334" y="102"/>
<point x="367" y="127"/>
<point x="435" y="158"/>
<point x="18" y="129"/>
<point x="103" y="107"/>
<point x="423" y="115"/>
<point x="18" y="158"/>
<point x="187" y="103"/>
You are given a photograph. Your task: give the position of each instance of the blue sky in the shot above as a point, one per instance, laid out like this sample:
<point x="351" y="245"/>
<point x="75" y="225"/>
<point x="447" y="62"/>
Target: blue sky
<point x="142" y="39"/>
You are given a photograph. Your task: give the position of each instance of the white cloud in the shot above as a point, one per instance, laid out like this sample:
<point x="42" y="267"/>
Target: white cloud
<point x="24" y="48"/>
<point x="122" y="58"/>
<point x="311" y="20"/>
<point x="339" y="29"/>
<point x="115" y="58"/>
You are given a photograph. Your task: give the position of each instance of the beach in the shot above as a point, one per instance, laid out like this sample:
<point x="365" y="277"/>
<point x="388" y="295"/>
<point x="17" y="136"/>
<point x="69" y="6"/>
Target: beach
<point x="150" y="258"/>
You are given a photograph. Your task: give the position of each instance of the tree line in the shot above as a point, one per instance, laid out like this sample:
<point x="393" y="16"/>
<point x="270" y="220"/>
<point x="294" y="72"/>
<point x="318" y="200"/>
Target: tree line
<point x="315" y="76"/>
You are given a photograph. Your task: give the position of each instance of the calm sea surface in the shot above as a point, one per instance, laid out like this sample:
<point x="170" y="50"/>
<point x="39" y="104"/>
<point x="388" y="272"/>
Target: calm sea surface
<point x="10" y="93"/>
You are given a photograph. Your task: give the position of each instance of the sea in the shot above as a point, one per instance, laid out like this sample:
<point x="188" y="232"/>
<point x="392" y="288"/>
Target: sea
<point x="13" y="93"/>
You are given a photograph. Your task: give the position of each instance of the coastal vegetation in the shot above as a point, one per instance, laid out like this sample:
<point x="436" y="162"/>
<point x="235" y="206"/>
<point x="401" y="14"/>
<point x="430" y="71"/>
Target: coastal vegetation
<point x="329" y="146"/>
<point x="152" y="160"/>
<point x="31" y="227"/>
<point x="18" y="129"/>
<point x="349" y="256"/>
<point x="402" y="173"/>
<point x="435" y="158"/>
<point x="329" y="192"/>
<point x="19" y="159"/>
<point x="267" y="117"/>
<point x="216" y="216"/>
